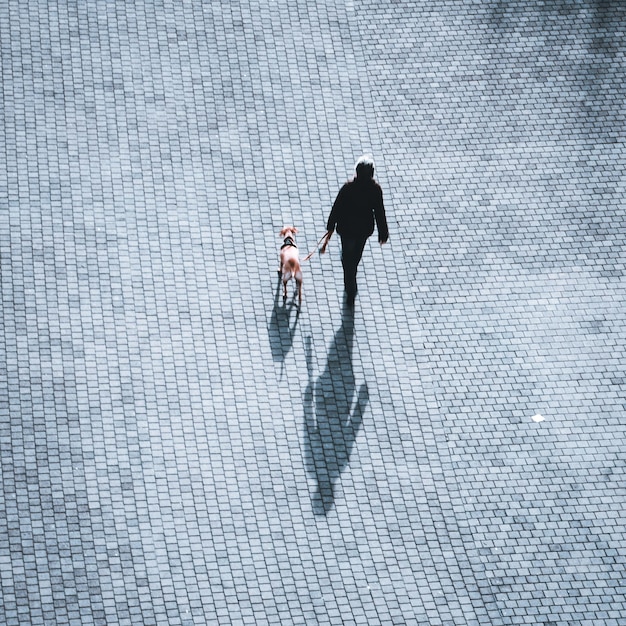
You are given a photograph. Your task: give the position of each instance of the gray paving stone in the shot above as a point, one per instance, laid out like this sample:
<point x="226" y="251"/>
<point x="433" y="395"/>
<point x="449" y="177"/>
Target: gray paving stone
<point x="173" y="438"/>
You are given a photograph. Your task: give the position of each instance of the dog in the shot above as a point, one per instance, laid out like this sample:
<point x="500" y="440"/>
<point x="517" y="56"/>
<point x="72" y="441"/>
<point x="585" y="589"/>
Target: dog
<point x="290" y="261"/>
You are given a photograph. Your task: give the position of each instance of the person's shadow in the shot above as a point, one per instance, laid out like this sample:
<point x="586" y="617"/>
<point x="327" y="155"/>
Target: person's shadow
<point x="281" y="330"/>
<point x="332" y="416"/>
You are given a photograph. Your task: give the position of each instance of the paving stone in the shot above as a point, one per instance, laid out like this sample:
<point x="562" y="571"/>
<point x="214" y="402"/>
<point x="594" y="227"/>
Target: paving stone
<point x="180" y="447"/>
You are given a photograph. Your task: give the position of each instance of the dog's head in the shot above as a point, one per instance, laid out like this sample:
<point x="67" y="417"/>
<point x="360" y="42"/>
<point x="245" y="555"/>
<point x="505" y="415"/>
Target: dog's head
<point x="288" y="231"/>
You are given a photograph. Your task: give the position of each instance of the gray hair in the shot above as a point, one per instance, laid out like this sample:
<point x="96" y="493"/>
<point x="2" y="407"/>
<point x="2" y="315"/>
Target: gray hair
<point x="365" y="167"/>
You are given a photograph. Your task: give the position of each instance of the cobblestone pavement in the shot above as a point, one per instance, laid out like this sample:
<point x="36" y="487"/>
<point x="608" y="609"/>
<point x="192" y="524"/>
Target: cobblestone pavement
<point x="179" y="446"/>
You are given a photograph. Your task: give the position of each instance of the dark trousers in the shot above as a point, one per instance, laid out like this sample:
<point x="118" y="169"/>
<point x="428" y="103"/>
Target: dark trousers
<point x="351" y="253"/>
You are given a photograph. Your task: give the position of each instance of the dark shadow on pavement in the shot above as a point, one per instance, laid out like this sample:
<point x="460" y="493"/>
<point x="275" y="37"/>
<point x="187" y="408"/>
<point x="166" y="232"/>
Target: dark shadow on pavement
<point x="281" y="328"/>
<point x="595" y="88"/>
<point x="332" y="416"/>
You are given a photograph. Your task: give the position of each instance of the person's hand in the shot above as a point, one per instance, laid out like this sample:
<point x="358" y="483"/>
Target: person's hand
<point x="327" y="237"/>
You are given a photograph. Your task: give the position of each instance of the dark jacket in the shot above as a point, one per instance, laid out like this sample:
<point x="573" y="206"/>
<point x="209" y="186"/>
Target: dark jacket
<point x="358" y="205"/>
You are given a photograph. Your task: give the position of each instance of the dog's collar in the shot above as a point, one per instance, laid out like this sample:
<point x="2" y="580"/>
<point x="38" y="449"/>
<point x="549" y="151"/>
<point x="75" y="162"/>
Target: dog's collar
<point x="288" y="242"/>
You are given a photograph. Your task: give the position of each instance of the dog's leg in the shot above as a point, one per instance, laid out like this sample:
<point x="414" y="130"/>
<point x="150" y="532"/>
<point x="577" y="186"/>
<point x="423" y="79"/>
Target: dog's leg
<point x="284" y="290"/>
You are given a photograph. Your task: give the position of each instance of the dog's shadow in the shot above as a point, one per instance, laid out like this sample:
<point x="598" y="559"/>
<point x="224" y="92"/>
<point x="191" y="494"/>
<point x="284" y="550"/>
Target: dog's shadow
<point x="333" y="416"/>
<point x="282" y="328"/>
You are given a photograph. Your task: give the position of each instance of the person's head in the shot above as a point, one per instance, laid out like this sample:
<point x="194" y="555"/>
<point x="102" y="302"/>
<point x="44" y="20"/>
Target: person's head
<point x="364" y="167"/>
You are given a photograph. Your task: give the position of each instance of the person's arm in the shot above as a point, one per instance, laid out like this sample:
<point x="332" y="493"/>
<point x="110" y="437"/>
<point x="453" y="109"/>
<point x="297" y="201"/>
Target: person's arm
<point x="331" y="224"/>
<point x="381" y="218"/>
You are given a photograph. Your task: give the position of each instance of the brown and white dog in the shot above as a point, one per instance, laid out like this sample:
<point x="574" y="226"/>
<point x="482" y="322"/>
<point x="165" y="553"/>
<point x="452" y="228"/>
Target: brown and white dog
<point x="290" y="261"/>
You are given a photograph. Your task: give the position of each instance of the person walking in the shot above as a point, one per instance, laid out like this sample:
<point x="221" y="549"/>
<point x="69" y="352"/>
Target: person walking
<point x="359" y="204"/>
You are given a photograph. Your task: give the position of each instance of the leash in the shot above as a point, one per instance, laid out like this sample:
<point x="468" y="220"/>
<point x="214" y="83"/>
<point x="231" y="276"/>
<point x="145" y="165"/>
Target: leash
<point x="325" y="238"/>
